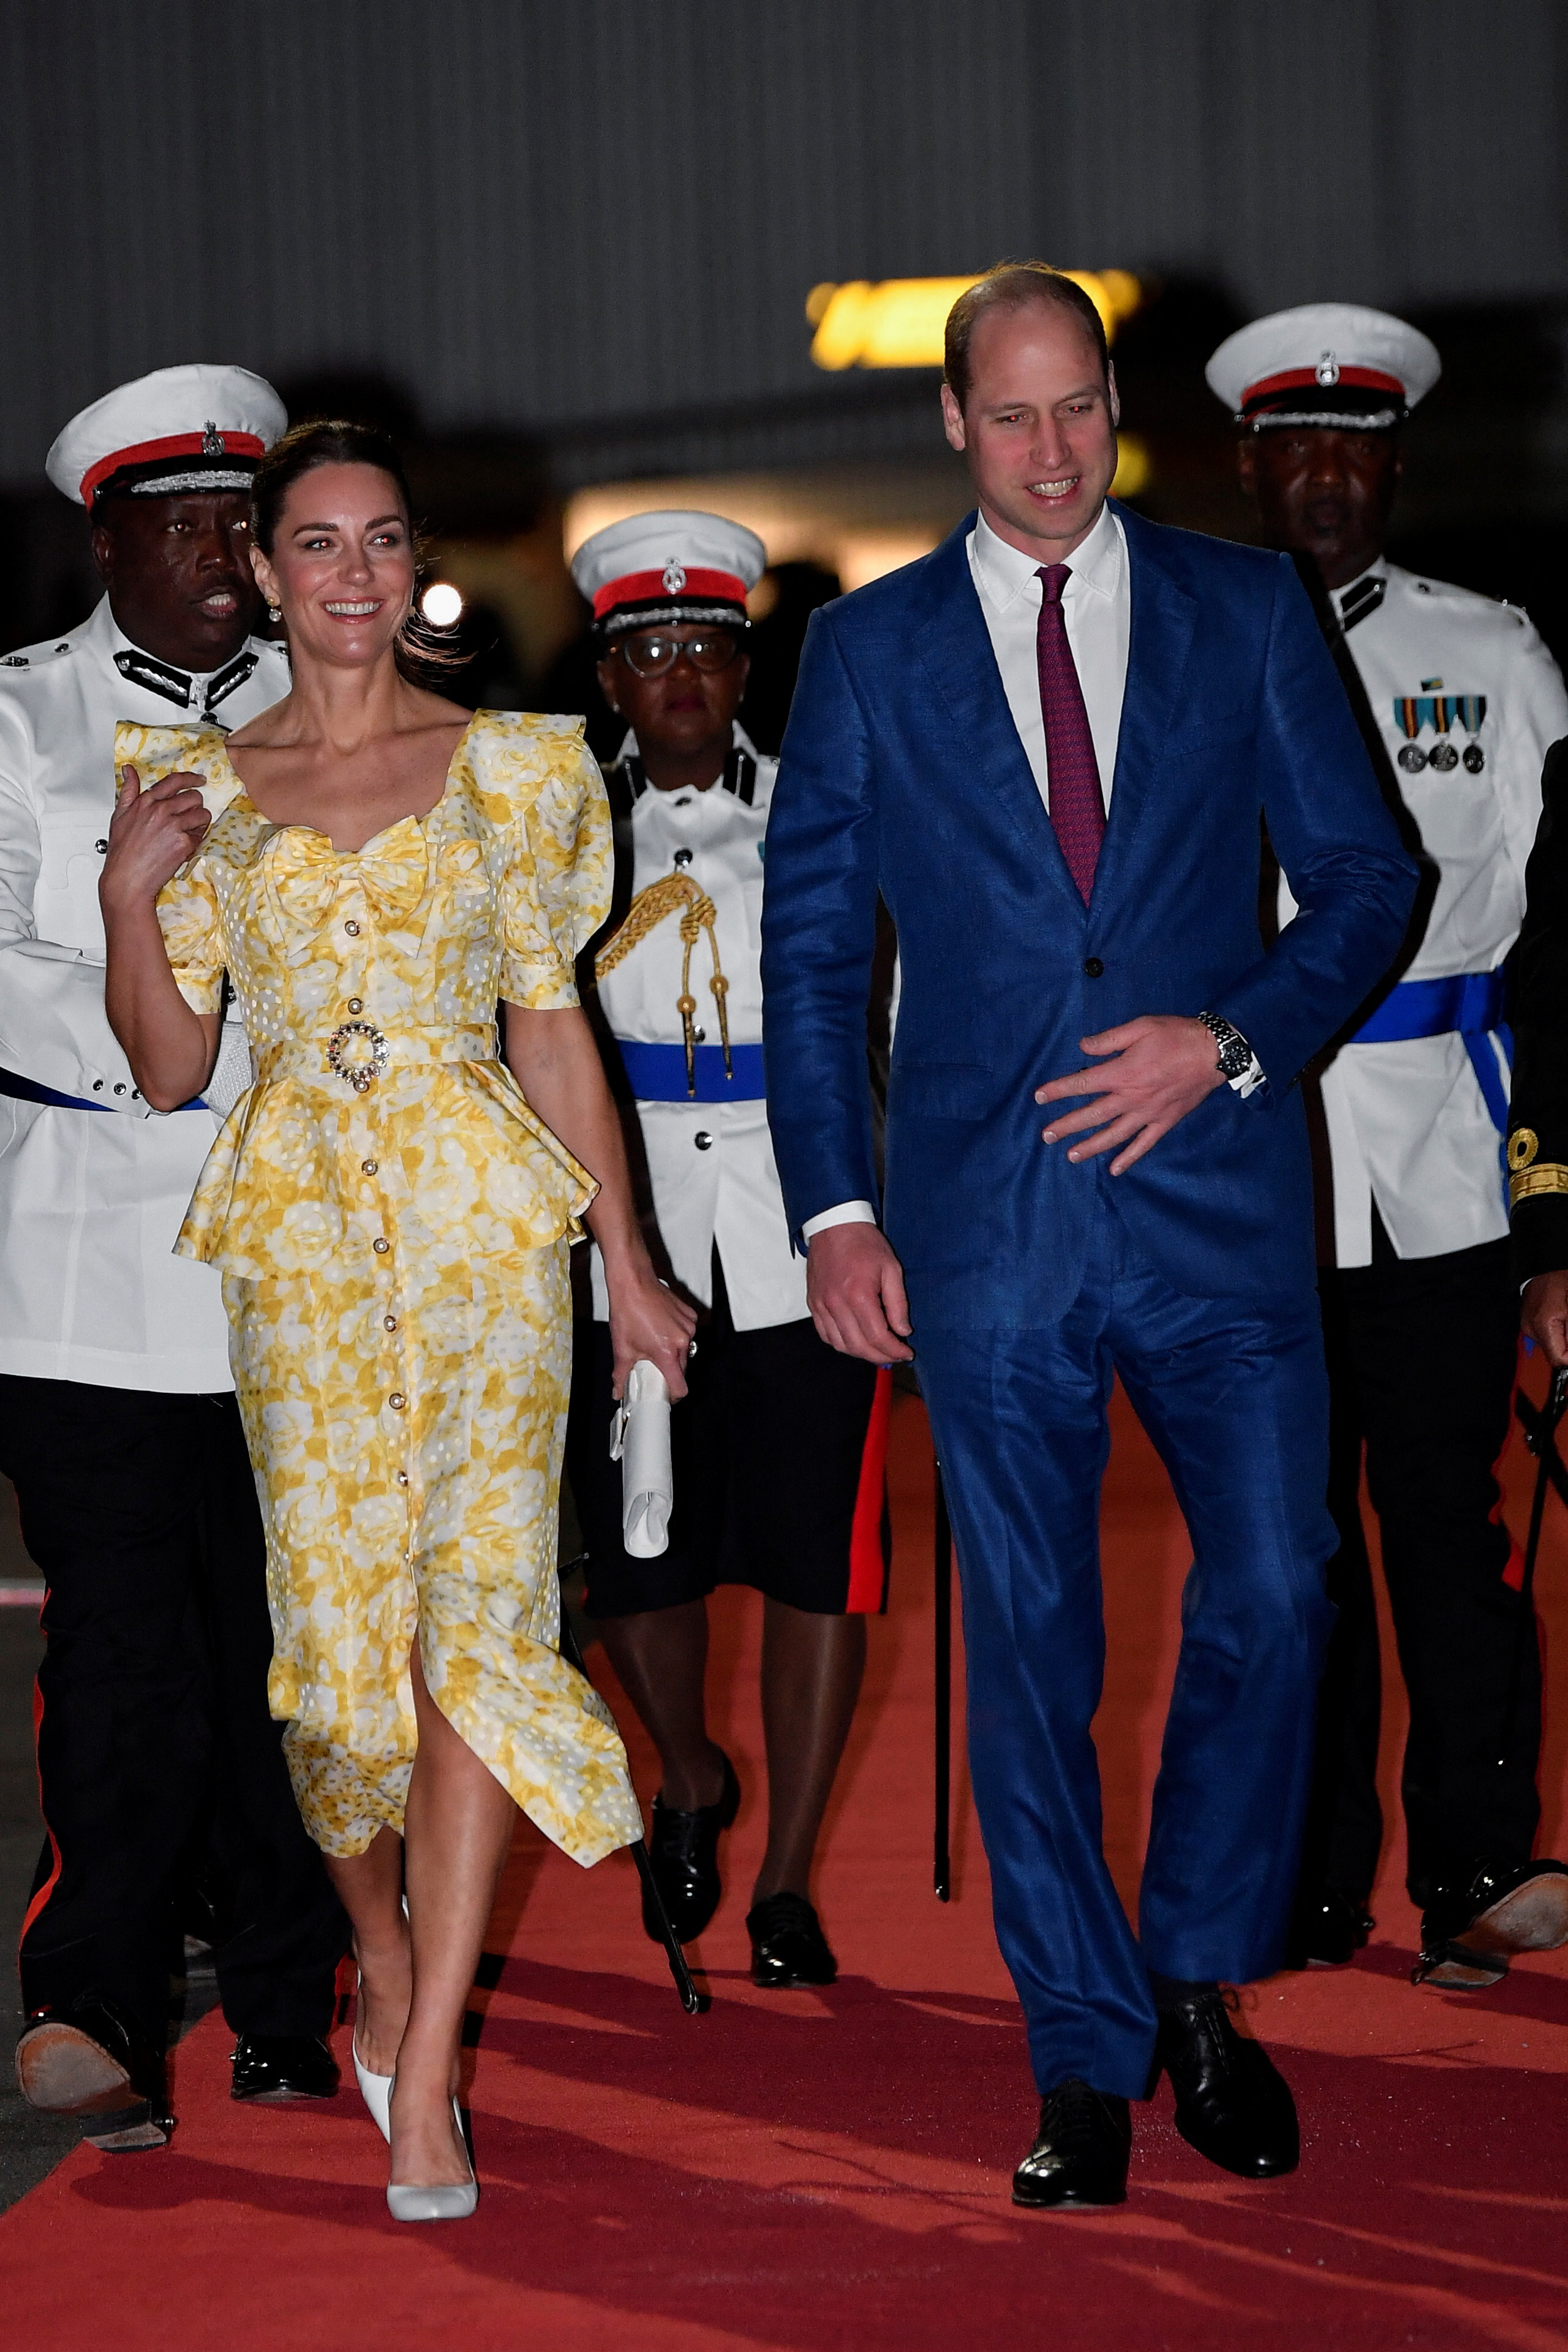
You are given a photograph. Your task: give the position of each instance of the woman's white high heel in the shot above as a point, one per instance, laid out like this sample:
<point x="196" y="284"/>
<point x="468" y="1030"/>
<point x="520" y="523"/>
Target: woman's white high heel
<point x="448" y="2201"/>
<point x="375" y="2090"/>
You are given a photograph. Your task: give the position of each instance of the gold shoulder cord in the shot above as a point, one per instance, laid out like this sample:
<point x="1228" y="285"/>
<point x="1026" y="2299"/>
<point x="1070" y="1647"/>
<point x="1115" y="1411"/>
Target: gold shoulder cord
<point x="1530" y="1176"/>
<point x="649" y="909"/>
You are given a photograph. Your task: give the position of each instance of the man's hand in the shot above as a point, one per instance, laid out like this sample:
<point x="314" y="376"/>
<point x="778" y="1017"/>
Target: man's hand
<point x="855" y="1289"/>
<point x="1161" y="1066"/>
<point x="1544" y="1317"/>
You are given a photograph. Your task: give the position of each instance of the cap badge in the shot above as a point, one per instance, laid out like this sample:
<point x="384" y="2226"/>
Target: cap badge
<point x="212" y="444"/>
<point x="673" y="579"/>
<point x="1327" y="370"/>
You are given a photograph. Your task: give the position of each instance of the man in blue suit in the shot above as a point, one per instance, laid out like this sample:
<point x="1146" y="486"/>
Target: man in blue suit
<point x="1050" y="745"/>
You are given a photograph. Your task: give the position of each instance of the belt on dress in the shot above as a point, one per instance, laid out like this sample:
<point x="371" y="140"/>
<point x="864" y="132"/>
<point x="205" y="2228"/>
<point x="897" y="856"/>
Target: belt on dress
<point x="1469" y="1003"/>
<point x="21" y="1089"/>
<point x="657" y="1073"/>
<point x="359" y="1052"/>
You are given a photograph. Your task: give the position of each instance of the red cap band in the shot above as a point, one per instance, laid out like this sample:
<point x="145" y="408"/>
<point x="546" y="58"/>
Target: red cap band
<point x="1358" y="379"/>
<point x="176" y="445"/>
<point x="652" y="587"/>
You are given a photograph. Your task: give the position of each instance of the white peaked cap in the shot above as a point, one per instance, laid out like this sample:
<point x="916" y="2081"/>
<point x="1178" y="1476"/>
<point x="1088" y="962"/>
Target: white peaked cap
<point x="675" y="565"/>
<point x="1326" y="364"/>
<point x="180" y="428"/>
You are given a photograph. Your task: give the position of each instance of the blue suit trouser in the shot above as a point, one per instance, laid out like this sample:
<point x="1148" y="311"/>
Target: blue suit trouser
<point x="1234" y="1397"/>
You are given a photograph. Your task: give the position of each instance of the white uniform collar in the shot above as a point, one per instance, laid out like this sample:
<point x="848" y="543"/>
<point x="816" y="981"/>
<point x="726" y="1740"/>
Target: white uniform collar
<point x="738" y="741"/>
<point x="201" y="692"/>
<point x="1005" y="573"/>
<point x="1362" y="596"/>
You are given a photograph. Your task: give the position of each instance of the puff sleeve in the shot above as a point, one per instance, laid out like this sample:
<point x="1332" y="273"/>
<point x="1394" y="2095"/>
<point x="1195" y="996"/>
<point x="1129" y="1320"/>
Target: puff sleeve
<point x="555" y="889"/>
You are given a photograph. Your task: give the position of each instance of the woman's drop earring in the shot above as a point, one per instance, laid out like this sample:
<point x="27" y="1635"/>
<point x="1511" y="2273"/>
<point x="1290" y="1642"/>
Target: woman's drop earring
<point x="275" y="614"/>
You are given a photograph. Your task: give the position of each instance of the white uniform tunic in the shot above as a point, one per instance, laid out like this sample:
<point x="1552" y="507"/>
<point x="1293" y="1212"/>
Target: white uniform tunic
<point x="91" y="1201"/>
<point x="1407" y="1123"/>
<point x="711" y="1164"/>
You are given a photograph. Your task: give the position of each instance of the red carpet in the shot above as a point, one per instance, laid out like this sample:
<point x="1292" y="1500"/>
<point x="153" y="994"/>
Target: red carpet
<point x="799" y="2171"/>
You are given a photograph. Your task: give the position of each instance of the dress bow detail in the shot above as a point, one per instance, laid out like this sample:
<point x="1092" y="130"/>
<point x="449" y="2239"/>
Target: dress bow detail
<point x="305" y="876"/>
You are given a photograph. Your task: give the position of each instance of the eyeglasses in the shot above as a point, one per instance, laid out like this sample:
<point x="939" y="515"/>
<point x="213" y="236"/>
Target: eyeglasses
<point x="650" y="655"/>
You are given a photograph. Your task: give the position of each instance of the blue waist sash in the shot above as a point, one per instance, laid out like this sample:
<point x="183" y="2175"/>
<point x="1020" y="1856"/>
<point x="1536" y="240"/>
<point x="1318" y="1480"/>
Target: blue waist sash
<point x="657" y="1073"/>
<point x="1467" y="1003"/>
<point x="21" y="1089"/>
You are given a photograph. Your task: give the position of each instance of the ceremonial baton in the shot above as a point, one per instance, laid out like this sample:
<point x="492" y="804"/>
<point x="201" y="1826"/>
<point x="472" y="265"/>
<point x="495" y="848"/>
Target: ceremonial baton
<point x="695" y="2003"/>
<point x="943" y="1875"/>
<point x="1540" y="1436"/>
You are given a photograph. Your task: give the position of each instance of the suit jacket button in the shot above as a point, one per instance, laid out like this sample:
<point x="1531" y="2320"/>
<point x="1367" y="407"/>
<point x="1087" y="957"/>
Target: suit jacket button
<point x="1093" y="966"/>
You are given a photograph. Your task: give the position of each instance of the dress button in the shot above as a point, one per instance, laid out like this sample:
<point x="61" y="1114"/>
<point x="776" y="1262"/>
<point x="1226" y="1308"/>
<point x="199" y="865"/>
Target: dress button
<point x="369" y="1167"/>
<point x="397" y="1400"/>
<point x="402" y="1477"/>
<point x="381" y="1248"/>
<point x="702" y="1139"/>
<point x="683" y="857"/>
<point x="1093" y="966"/>
<point x="389" y="1322"/>
<point x="352" y="928"/>
<point x="356" y="1004"/>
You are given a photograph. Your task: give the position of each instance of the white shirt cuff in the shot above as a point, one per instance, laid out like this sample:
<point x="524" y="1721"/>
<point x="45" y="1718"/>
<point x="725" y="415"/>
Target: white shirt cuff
<point x="1250" y="1079"/>
<point x="847" y="1212"/>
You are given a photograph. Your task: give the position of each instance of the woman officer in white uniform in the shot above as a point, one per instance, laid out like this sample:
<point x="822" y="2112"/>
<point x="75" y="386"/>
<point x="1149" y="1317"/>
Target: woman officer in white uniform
<point x="780" y="1447"/>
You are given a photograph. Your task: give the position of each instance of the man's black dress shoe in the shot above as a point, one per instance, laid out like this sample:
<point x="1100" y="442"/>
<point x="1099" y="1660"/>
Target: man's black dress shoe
<point x="91" y="2059"/>
<point x="277" y="2066"/>
<point x="1469" y="1933"/>
<point x="1327" y="1930"/>
<point x="788" y="1947"/>
<point x="1231" y="2104"/>
<point x="684" y="1851"/>
<point x="1080" y="2152"/>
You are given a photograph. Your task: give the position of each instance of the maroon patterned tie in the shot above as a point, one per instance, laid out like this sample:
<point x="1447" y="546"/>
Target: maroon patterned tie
<point x="1077" y="807"/>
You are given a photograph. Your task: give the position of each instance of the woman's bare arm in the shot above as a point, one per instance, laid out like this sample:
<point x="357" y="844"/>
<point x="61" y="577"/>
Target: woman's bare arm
<point x="171" y="1049"/>
<point x="556" y="1062"/>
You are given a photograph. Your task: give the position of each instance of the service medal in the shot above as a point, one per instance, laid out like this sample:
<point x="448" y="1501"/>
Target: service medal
<point x="1443" y="757"/>
<point x="1412" y="759"/>
<point x="1475" y="758"/>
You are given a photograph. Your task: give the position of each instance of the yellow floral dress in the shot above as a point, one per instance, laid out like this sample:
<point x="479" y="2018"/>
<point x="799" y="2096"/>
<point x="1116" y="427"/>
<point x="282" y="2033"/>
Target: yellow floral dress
<point x="392" y="1223"/>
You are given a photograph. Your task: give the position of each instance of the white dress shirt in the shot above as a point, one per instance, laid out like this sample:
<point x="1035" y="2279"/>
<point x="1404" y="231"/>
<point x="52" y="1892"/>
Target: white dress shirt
<point x="1407" y="1123"/>
<point x="711" y="1165"/>
<point x="91" y="1201"/>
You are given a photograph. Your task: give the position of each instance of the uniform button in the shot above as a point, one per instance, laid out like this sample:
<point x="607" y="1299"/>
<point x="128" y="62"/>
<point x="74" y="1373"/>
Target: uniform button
<point x="700" y="1036"/>
<point x="136" y="1093"/>
<point x="356" y="1004"/>
<point x="352" y="928"/>
<point x="389" y="1322"/>
<point x="702" y="1139"/>
<point x="119" y="1089"/>
<point x="98" y="1086"/>
<point x="369" y="1167"/>
<point x="100" y="847"/>
<point x="683" y="857"/>
<point x="381" y="1248"/>
<point x="1093" y="966"/>
<point x="397" y="1400"/>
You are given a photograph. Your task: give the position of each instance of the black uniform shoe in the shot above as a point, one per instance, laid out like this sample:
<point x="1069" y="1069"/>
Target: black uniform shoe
<point x="277" y="2066"/>
<point x="90" y="2058"/>
<point x="788" y="1947"/>
<point x="684" y="1851"/>
<point x="1469" y="1933"/>
<point x="1080" y="2152"/>
<point x="1231" y="2104"/>
<point x="1327" y="1930"/>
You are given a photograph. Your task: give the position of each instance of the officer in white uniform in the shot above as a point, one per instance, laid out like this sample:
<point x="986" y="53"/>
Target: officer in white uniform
<point x="118" y="1422"/>
<point x="780" y="1445"/>
<point x="1420" y="1316"/>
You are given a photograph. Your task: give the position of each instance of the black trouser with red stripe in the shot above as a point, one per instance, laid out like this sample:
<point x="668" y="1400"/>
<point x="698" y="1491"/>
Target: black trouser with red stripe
<point x="1421" y="1355"/>
<point x="157" y="1756"/>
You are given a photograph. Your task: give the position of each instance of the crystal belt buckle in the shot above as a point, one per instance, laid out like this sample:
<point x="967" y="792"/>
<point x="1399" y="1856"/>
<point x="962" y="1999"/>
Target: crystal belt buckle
<point x="360" y="1072"/>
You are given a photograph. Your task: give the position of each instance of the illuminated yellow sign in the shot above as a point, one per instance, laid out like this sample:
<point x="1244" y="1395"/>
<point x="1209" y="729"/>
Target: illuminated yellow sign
<point x="899" y="322"/>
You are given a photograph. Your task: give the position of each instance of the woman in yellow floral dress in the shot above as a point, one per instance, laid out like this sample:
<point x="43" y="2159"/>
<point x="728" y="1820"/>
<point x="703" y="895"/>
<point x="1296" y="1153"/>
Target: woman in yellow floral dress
<point x="391" y="1206"/>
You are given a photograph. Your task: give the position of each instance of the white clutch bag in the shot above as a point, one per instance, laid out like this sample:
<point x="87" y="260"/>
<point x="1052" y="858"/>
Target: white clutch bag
<point x="639" y="1442"/>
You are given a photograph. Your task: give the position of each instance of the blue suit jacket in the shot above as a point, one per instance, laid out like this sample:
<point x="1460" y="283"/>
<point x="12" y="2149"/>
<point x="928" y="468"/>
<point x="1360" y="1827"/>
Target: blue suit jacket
<point x="903" y="771"/>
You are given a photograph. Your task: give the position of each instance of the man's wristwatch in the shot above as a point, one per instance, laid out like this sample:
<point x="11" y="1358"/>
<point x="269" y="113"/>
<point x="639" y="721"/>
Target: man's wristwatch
<point x="1238" y="1064"/>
